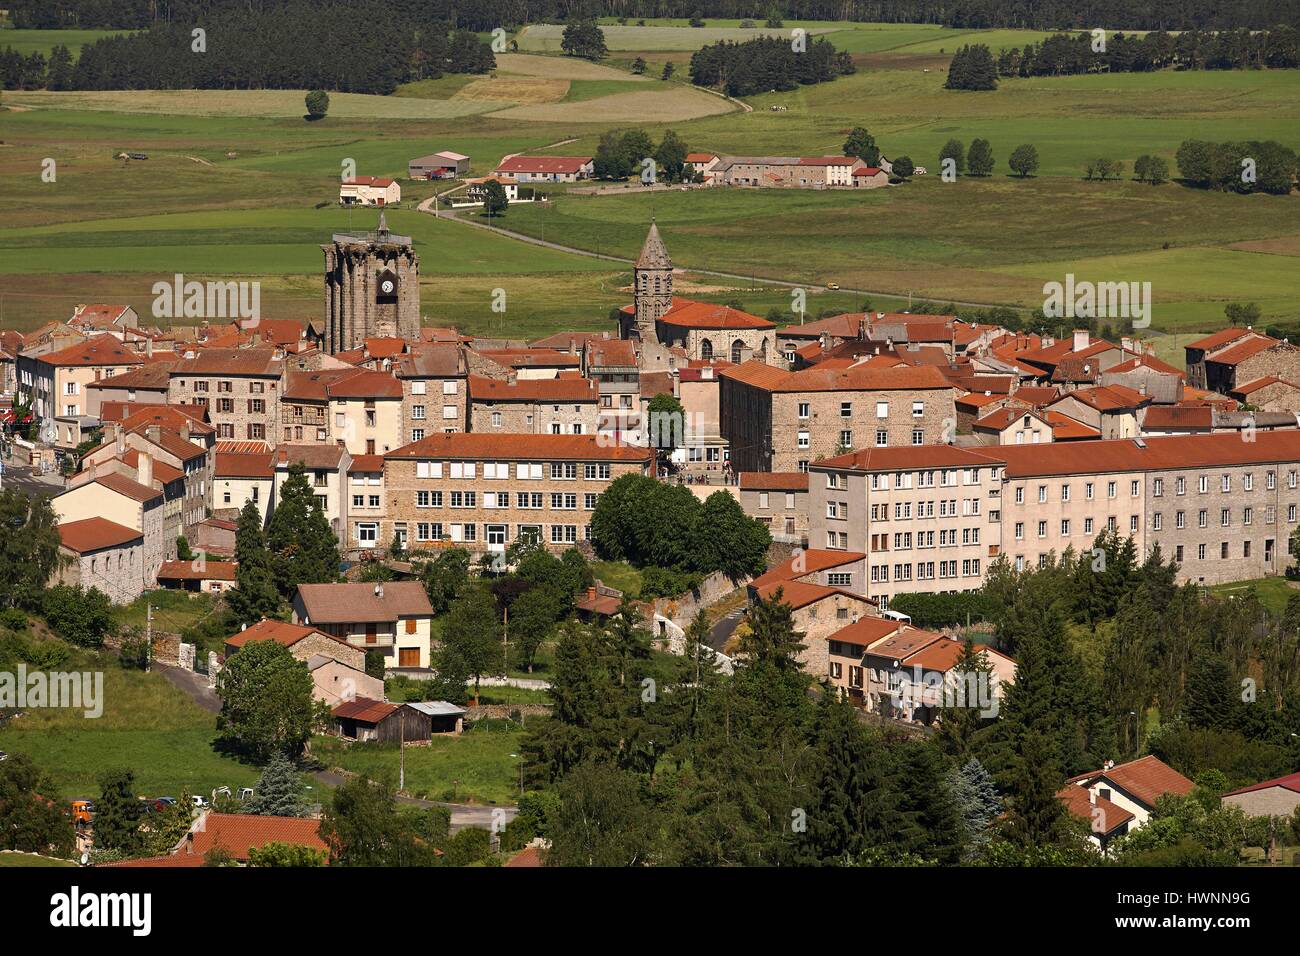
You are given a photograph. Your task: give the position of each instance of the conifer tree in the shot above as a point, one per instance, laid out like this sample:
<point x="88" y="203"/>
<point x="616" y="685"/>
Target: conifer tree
<point x="279" y="791"/>
<point x="117" y="814"/>
<point x="304" y="548"/>
<point x="978" y="803"/>
<point x="255" y="595"/>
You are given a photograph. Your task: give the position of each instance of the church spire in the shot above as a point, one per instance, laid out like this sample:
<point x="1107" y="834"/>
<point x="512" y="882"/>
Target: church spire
<point x="381" y="231"/>
<point x="653" y="253"/>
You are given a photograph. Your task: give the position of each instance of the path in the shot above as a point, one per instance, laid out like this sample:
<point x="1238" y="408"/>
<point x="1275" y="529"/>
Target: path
<point x="462" y="814"/>
<point x="781" y="283"/>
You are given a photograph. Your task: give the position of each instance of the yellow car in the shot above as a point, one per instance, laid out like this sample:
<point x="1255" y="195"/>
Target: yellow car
<point x="833" y="286"/>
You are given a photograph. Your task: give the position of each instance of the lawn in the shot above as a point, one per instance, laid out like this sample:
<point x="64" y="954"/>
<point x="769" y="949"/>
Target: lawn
<point x="1273" y="592"/>
<point x="8" y="859"/>
<point x="43" y="41"/>
<point x="619" y="575"/>
<point x="148" y="726"/>
<point x="475" y="767"/>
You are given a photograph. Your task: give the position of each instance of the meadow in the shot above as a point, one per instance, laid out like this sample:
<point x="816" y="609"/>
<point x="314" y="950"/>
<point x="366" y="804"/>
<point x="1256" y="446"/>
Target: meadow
<point x="148" y="726"/>
<point x="233" y="179"/>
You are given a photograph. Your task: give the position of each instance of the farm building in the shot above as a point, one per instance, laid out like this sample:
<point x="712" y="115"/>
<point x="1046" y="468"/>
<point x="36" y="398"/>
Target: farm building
<point x="869" y="177"/>
<point x="477" y="190"/>
<point x="1272" y="798"/>
<point x="546" y="169"/>
<point x="203" y="575"/>
<point x="364" y="719"/>
<point x="369" y="191"/>
<point x="447" y="718"/>
<point x="788" y="172"/>
<point x="704" y="163"/>
<point x="443" y="165"/>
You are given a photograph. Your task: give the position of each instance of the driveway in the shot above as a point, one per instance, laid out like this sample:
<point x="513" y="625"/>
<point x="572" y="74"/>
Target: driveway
<point x="194" y="685"/>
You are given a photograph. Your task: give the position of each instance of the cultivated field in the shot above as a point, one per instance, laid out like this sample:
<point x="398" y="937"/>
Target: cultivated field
<point x="233" y="177"/>
<point x="43" y="41"/>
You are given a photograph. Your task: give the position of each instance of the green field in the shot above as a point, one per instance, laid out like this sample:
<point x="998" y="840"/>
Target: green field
<point x="43" y="41"/>
<point x="8" y="859"/>
<point x="474" y="767"/>
<point x="148" y="726"/>
<point x="233" y="177"/>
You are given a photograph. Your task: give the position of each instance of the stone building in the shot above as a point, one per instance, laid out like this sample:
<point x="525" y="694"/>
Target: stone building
<point x="779" y="499"/>
<point x="485" y="491"/>
<point x="434" y="390"/>
<point x="105" y="555"/>
<point x="240" y="388"/>
<point x="124" y="502"/>
<point x="775" y="420"/>
<point x="555" y="406"/>
<point x="1272" y="798"/>
<point x="920" y="515"/>
<point x="372" y="288"/>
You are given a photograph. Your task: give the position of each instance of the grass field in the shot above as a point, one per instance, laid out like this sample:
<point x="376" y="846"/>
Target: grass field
<point x="43" y="41"/>
<point x="9" y="859"/>
<point x="233" y="177"/>
<point x="475" y="767"/>
<point x="546" y="37"/>
<point x="148" y="726"/>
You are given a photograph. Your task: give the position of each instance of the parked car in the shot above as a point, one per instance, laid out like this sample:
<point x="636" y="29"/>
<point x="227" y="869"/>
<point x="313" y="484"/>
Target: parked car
<point x="833" y="286"/>
<point x="200" y="802"/>
<point x="3" y="755"/>
<point x="83" y="812"/>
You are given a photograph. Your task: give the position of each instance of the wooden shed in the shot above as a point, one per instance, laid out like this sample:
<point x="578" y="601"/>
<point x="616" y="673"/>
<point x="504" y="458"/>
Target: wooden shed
<point x="364" y="719"/>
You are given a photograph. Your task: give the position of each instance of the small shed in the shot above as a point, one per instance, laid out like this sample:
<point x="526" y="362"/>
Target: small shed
<point x="364" y="719"/>
<point x="446" y="717"/>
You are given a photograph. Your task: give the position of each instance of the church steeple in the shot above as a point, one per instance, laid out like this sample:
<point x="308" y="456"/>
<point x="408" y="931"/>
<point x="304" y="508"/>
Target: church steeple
<point x="652" y="279"/>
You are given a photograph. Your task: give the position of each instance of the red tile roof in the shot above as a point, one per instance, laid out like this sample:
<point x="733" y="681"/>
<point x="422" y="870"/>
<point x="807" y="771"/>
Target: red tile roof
<point x="542" y="164"/>
<point x="806" y="562"/>
<point x="482" y="446"/>
<point x="1289" y="782"/>
<point x="125" y="486"/>
<point x="483" y="389"/>
<point x="221" y="361"/>
<point x="1217" y="339"/>
<point x="1259" y="383"/>
<point x="1239" y="353"/>
<point x="690" y="314"/>
<point x="1108" y="398"/>
<point x="234" y="465"/>
<point x="773" y="481"/>
<point x="366" y="463"/>
<point x="1179" y="416"/>
<point x="197" y="571"/>
<point x="911" y="457"/>
<point x="236" y="833"/>
<point x="95" y="534"/>
<point x="358" y="602"/>
<point x="100" y="350"/>
<point x="1146" y="779"/>
<point x="1104" y="816"/>
<point x="1167" y="453"/>
<point x="862" y="378"/>
<point x="282" y="632"/>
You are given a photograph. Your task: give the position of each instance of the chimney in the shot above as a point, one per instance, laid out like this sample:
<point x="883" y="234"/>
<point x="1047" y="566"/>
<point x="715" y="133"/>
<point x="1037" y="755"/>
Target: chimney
<point x="153" y="433"/>
<point x="591" y="594"/>
<point x="185" y="429"/>
<point x="1080" y="340"/>
<point x="120" y="437"/>
<point x="379" y="590"/>
<point x="148" y="347"/>
<point x="512" y="377"/>
<point x="144" y="469"/>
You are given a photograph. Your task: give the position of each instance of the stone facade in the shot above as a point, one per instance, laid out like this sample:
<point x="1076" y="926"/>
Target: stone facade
<point x="372" y="289"/>
<point x="486" y="493"/>
<point x="240" y="388"/>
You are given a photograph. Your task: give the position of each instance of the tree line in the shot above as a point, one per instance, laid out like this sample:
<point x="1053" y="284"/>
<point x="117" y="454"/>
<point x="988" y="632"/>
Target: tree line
<point x="485" y="15"/>
<point x="285" y="46"/>
<point x="764" y="64"/>
<point x="1241" y="49"/>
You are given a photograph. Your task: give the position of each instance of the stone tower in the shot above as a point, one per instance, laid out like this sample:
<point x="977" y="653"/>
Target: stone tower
<point x="652" y="282"/>
<point x="372" y="288"/>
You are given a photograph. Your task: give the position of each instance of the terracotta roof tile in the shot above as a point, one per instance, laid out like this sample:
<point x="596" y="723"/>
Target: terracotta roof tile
<point x="358" y="602"/>
<point x="197" y="571"/>
<point x="481" y="446"/>
<point x="773" y="481"/>
<point x="236" y="833"/>
<point x="1147" y="779"/>
<point x="95" y="534"/>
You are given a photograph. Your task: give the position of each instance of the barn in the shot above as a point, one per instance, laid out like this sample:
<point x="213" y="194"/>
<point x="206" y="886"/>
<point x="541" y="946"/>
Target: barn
<point x="443" y="165"/>
<point x="363" y="719"/>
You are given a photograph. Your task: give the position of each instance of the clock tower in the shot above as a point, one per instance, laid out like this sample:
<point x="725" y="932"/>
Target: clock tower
<point x="372" y="288"/>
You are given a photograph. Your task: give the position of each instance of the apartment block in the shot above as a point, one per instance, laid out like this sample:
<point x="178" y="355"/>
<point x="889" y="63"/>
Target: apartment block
<point x="485" y="491"/>
<point x="433" y="380"/>
<point x="775" y="420"/>
<point x="926" y="518"/>
<point x="240" y="388"/>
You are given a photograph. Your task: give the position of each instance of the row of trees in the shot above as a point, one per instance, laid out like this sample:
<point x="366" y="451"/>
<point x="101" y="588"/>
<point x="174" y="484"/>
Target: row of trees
<point x="1064" y="54"/>
<point x="290" y="45"/>
<point x="622" y="153"/>
<point x="979" y="160"/>
<point x="485" y="15"/>
<point x="972" y="68"/>
<point x="766" y="64"/>
<point x="1247" y="167"/>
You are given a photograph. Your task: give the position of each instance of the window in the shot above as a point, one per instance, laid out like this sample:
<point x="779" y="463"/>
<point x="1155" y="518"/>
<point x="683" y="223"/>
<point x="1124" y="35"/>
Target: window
<point x="918" y="436"/>
<point x="417" y="413"/>
<point x="419" y="388"/>
<point x="449" y="387"/>
<point x="846" y="409"/>
<point x="598" y="472"/>
<point x="846" y="438"/>
<point x="882" y="409"/>
<point x="1157" y="521"/>
<point x="803" y="410"/>
<point x="804" y="439"/>
<point x="839" y="579"/>
<point x="448" y="412"/>
<point x="882" y="438"/>
<point x="918" y="409"/>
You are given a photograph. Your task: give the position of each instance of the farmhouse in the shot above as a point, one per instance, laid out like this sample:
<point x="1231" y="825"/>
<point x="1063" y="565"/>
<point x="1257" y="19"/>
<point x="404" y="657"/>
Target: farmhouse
<point x="788" y="172"/>
<point x="369" y="191"/>
<point x="546" y="169"/>
<point x="103" y="554"/>
<point x="477" y="189"/>
<point x="442" y="165"/>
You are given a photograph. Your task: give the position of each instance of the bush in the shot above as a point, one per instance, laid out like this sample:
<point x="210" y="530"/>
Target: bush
<point x="318" y="104"/>
<point x="78" y="615"/>
<point x="135" y="653"/>
<point x="665" y="582"/>
<point x="942" y="610"/>
<point x="470" y="845"/>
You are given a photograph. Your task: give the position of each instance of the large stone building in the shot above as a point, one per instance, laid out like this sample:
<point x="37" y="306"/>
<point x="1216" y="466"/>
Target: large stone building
<point x="486" y="491"/>
<point x="240" y="388"/>
<point x="372" y="288"/>
<point x="434" y="392"/>
<point x="539" y="406"/>
<point x="775" y="420"/>
<point x="920" y="515"/>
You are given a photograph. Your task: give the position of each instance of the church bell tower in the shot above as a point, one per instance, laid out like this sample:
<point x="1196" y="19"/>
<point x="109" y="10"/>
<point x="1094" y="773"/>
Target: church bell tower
<point x="372" y="288"/>
<point x="652" y="283"/>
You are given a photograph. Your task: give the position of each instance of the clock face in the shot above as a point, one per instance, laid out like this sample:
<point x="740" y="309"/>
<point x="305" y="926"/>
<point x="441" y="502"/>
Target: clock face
<point x="387" y="287"/>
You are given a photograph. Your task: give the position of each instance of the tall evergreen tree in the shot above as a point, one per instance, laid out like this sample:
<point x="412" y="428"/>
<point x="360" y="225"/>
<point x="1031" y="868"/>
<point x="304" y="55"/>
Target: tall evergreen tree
<point x="978" y="803"/>
<point x="279" y="791"/>
<point x="255" y="595"/>
<point x="117" y="814"/>
<point x="304" y="548"/>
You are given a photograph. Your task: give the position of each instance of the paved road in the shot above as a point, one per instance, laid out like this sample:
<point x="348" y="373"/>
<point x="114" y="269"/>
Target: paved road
<point x="780" y="283"/>
<point x="721" y="631"/>
<point x="23" y="479"/>
<point x="462" y="814"/>
<point x="194" y="685"/>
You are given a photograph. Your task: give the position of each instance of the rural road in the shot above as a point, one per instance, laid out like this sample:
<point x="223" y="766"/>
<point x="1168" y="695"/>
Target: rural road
<point x="780" y="283"/>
